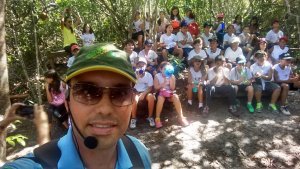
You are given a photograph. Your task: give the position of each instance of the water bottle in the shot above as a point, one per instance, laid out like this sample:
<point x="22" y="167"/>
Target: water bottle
<point x="195" y="87"/>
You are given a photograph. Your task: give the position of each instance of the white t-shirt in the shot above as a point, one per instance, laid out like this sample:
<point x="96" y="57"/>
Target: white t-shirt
<point x="188" y="20"/>
<point x="237" y="28"/>
<point x="194" y="53"/>
<point x="236" y="75"/>
<point x="181" y="37"/>
<point x="264" y="69"/>
<point x="213" y="55"/>
<point x="70" y="61"/>
<point x="227" y="38"/>
<point x="232" y="55"/>
<point x="244" y="39"/>
<point x="132" y="57"/>
<point x="161" y="80"/>
<point x="136" y="25"/>
<point x="278" y="51"/>
<point x="205" y="39"/>
<point x="143" y="83"/>
<point x="196" y="76"/>
<point x="274" y="37"/>
<point x="87" y="39"/>
<point x="170" y="41"/>
<point x="283" y="74"/>
<point x="220" y="81"/>
<point x="150" y="57"/>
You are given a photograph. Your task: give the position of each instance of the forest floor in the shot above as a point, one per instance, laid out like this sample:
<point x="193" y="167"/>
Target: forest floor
<point x="220" y="141"/>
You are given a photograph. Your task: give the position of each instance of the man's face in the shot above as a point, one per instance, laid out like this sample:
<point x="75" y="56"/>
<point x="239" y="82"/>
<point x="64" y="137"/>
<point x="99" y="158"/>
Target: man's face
<point x="103" y="120"/>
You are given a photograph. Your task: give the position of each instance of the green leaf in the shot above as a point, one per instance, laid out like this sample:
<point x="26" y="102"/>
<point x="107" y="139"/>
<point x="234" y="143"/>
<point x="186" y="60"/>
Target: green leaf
<point x="21" y="141"/>
<point x="10" y="141"/>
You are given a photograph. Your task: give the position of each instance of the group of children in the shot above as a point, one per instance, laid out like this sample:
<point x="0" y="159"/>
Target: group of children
<point x="223" y="59"/>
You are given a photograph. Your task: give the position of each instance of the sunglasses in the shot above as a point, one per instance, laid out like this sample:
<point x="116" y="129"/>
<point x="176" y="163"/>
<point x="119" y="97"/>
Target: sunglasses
<point x="91" y="94"/>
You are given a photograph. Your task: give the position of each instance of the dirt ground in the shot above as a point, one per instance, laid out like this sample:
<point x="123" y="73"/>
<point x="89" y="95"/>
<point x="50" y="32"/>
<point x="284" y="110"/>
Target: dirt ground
<point x="219" y="141"/>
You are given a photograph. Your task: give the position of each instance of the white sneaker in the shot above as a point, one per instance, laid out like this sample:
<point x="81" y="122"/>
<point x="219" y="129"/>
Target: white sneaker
<point x="132" y="124"/>
<point x="285" y="110"/>
<point x="151" y="121"/>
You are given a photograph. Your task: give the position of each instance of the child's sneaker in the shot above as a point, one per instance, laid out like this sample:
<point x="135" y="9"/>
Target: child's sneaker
<point x="273" y="108"/>
<point x="259" y="107"/>
<point x="285" y="110"/>
<point x="158" y="123"/>
<point x="132" y="124"/>
<point x="151" y="121"/>
<point x="250" y="107"/>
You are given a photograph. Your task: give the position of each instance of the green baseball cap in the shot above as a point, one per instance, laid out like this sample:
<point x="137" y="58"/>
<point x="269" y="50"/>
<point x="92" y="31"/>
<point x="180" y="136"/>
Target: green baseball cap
<point x="102" y="56"/>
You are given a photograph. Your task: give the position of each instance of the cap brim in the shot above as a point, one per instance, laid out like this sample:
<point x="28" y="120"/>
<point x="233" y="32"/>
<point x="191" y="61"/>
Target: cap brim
<point x="288" y="58"/>
<point x="103" y="68"/>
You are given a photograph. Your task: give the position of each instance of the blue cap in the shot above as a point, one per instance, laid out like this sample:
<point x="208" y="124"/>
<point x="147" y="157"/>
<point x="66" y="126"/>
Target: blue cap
<point x="183" y="23"/>
<point x="285" y="56"/>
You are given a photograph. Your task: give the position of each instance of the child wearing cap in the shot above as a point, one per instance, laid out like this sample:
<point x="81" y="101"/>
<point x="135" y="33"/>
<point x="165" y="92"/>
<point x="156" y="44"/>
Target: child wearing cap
<point x="185" y="39"/>
<point x="241" y="78"/>
<point x="263" y="73"/>
<point x="197" y="51"/>
<point x="150" y="56"/>
<point x="228" y="36"/>
<point x="206" y="35"/>
<point x="197" y="74"/>
<point x="233" y="52"/>
<point x="279" y="49"/>
<point x="218" y="82"/>
<point x="213" y="51"/>
<point x="74" y="51"/>
<point x="164" y="83"/>
<point x="274" y="34"/>
<point x="283" y="76"/>
<point x="168" y="42"/>
<point x="144" y="87"/>
<point x="132" y="55"/>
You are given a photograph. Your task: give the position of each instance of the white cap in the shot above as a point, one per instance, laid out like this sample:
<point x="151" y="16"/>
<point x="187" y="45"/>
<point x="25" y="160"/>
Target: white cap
<point x="235" y="40"/>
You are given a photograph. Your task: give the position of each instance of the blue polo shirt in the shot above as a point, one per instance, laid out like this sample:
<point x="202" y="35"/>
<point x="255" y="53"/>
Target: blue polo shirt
<point x="70" y="157"/>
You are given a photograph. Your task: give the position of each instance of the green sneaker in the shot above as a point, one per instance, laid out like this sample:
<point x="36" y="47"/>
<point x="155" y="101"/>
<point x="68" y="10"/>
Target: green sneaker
<point x="273" y="108"/>
<point x="259" y="107"/>
<point x="250" y="107"/>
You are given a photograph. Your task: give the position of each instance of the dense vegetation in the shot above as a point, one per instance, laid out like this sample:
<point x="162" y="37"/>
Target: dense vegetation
<point x="110" y="20"/>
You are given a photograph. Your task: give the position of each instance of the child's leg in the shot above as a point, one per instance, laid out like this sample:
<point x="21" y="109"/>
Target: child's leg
<point x="190" y="93"/>
<point x="150" y="99"/>
<point x="134" y="107"/>
<point x="165" y="54"/>
<point x="250" y="93"/>
<point x="284" y="93"/>
<point x="200" y="96"/>
<point x="275" y="93"/>
<point x="177" y="104"/>
<point x="140" y="42"/>
<point x="179" y="51"/>
<point x="159" y="106"/>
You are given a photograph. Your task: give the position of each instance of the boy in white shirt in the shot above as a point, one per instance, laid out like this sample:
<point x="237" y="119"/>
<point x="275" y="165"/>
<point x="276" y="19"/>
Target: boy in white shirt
<point x="228" y="36"/>
<point x="197" y="50"/>
<point x="213" y="51"/>
<point x="279" y="49"/>
<point x="283" y="76"/>
<point x="275" y="34"/>
<point x="132" y="55"/>
<point x="144" y="87"/>
<point x="185" y="39"/>
<point x="150" y="56"/>
<point x="263" y="73"/>
<point x="206" y="35"/>
<point x="233" y="52"/>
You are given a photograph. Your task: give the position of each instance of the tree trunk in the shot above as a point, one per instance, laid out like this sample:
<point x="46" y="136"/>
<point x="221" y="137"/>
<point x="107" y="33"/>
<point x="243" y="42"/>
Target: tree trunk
<point x="4" y="87"/>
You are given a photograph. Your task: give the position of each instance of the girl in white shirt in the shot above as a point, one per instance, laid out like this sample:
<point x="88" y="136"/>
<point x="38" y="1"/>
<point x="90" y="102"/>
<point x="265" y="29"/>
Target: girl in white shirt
<point x="87" y="36"/>
<point x="168" y="42"/>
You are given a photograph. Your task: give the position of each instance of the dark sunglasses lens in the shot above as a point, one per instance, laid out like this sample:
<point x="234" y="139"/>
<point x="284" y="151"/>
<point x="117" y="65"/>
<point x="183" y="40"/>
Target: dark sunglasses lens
<point x="121" y="96"/>
<point x="87" y="93"/>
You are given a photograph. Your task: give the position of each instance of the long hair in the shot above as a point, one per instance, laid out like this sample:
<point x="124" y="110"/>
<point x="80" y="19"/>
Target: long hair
<point x="178" y="15"/>
<point x="84" y="27"/>
<point x="55" y="85"/>
<point x="65" y="20"/>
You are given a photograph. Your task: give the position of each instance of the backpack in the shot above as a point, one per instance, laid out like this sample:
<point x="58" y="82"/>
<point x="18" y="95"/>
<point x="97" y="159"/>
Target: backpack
<point x="49" y="154"/>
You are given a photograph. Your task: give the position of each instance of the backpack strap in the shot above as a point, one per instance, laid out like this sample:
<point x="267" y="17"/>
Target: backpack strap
<point x="47" y="155"/>
<point x="133" y="153"/>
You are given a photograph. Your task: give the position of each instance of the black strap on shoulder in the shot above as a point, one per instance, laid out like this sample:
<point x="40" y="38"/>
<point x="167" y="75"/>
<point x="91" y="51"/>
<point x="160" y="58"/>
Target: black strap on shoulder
<point x="133" y="153"/>
<point x="48" y="155"/>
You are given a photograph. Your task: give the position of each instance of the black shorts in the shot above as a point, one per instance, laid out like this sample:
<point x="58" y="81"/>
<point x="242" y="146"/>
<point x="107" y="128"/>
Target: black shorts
<point x="136" y="35"/>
